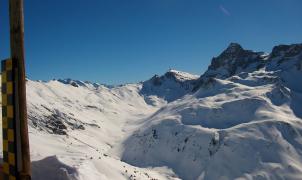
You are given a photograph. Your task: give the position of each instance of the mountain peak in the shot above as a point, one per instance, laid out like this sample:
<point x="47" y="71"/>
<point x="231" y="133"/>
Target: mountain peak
<point x="233" y="47"/>
<point x="170" y="86"/>
<point x="234" y="58"/>
<point x="78" y="83"/>
<point x="172" y="75"/>
<point x="286" y="50"/>
<point x="179" y="75"/>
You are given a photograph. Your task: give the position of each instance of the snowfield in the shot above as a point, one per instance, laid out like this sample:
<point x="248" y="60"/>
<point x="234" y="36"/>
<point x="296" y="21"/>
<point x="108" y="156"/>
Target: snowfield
<point x="241" y="119"/>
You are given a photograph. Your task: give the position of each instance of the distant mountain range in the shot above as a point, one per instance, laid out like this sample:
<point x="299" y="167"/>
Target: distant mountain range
<point x="241" y="119"/>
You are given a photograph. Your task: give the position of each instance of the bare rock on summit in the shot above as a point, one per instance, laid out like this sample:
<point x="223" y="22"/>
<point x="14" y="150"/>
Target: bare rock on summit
<point x="232" y="60"/>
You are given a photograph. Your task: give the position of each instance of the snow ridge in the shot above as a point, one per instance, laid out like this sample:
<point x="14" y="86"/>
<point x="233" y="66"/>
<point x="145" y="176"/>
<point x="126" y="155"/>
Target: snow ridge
<point x="241" y="119"/>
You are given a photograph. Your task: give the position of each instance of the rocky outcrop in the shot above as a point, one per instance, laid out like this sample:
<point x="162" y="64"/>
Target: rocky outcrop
<point x="233" y="60"/>
<point x="236" y="60"/>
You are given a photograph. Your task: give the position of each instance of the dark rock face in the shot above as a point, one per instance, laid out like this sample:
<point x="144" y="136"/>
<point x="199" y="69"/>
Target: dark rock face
<point x="74" y="84"/>
<point x="171" y="75"/>
<point x="232" y="53"/>
<point x="159" y="80"/>
<point x="56" y="123"/>
<point x="286" y="50"/>
<point x="235" y="60"/>
<point x="285" y="53"/>
<point x="232" y="59"/>
<point x="171" y="86"/>
<point x="77" y="83"/>
<point x="156" y="80"/>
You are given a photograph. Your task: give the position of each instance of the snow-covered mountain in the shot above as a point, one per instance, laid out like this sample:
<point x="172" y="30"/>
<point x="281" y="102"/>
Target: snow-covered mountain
<point x="235" y="61"/>
<point x="241" y="119"/>
<point x="171" y="86"/>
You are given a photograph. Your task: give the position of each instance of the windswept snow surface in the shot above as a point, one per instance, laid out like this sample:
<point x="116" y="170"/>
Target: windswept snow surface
<point x="242" y="122"/>
<point x="225" y="131"/>
<point x="94" y="121"/>
<point x="73" y="128"/>
<point x="239" y="120"/>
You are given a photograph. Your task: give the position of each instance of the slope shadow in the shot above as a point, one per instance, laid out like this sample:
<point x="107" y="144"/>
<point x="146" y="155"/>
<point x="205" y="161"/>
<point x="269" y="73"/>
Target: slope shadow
<point x="50" y="168"/>
<point x="228" y="115"/>
<point x="296" y="104"/>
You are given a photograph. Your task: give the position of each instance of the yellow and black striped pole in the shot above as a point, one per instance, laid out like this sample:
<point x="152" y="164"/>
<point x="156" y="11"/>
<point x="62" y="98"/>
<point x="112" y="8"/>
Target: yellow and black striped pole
<point x="16" y="152"/>
<point x="9" y="166"/>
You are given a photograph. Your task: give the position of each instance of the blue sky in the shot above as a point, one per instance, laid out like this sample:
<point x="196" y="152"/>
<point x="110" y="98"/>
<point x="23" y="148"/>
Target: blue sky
<point x="118" y="41"/>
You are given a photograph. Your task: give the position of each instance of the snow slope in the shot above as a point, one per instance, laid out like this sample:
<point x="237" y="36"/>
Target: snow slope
<point x="225" y="131"/>
<point x="74" y="125"/>
<point x="242" y="122"/>
<point x="241" y="119"/>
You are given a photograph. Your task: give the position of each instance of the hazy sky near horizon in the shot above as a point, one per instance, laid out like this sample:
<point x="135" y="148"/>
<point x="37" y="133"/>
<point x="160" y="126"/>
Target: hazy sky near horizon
<point x="119" y="41"/>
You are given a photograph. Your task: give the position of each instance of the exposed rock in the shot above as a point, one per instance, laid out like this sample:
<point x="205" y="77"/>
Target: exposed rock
<point x="231" y="60"/>
<point x="235" y="60"/>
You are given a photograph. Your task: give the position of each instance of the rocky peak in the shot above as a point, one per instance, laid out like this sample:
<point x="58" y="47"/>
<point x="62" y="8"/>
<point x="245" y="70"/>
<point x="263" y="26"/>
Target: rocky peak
<point x="286" y="50"/>
<point x="235" y="60"/>
<point x="78" y="83"/>
<point x="179" y="75"/>
<point x="174" y="76"/>
<point x="72" y="82"/>
<point x="156" y="80"/>
<point x="233" y="48"/>
<point x="170" y="86"/>
<point x="234" y="57"/>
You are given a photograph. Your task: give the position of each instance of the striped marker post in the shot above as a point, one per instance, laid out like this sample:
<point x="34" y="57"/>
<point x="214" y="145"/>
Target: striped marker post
<point x="9" y="121"/>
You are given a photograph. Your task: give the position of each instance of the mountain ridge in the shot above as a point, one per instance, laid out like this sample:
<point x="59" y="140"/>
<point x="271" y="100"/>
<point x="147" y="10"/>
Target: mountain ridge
<point x="228" y="123"/>
<point x="240" y="125"/>
<point x="232" y="58"/>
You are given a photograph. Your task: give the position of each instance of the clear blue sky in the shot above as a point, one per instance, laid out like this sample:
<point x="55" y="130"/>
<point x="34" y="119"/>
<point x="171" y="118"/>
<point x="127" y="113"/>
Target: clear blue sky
<point x="118" y="41"/>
